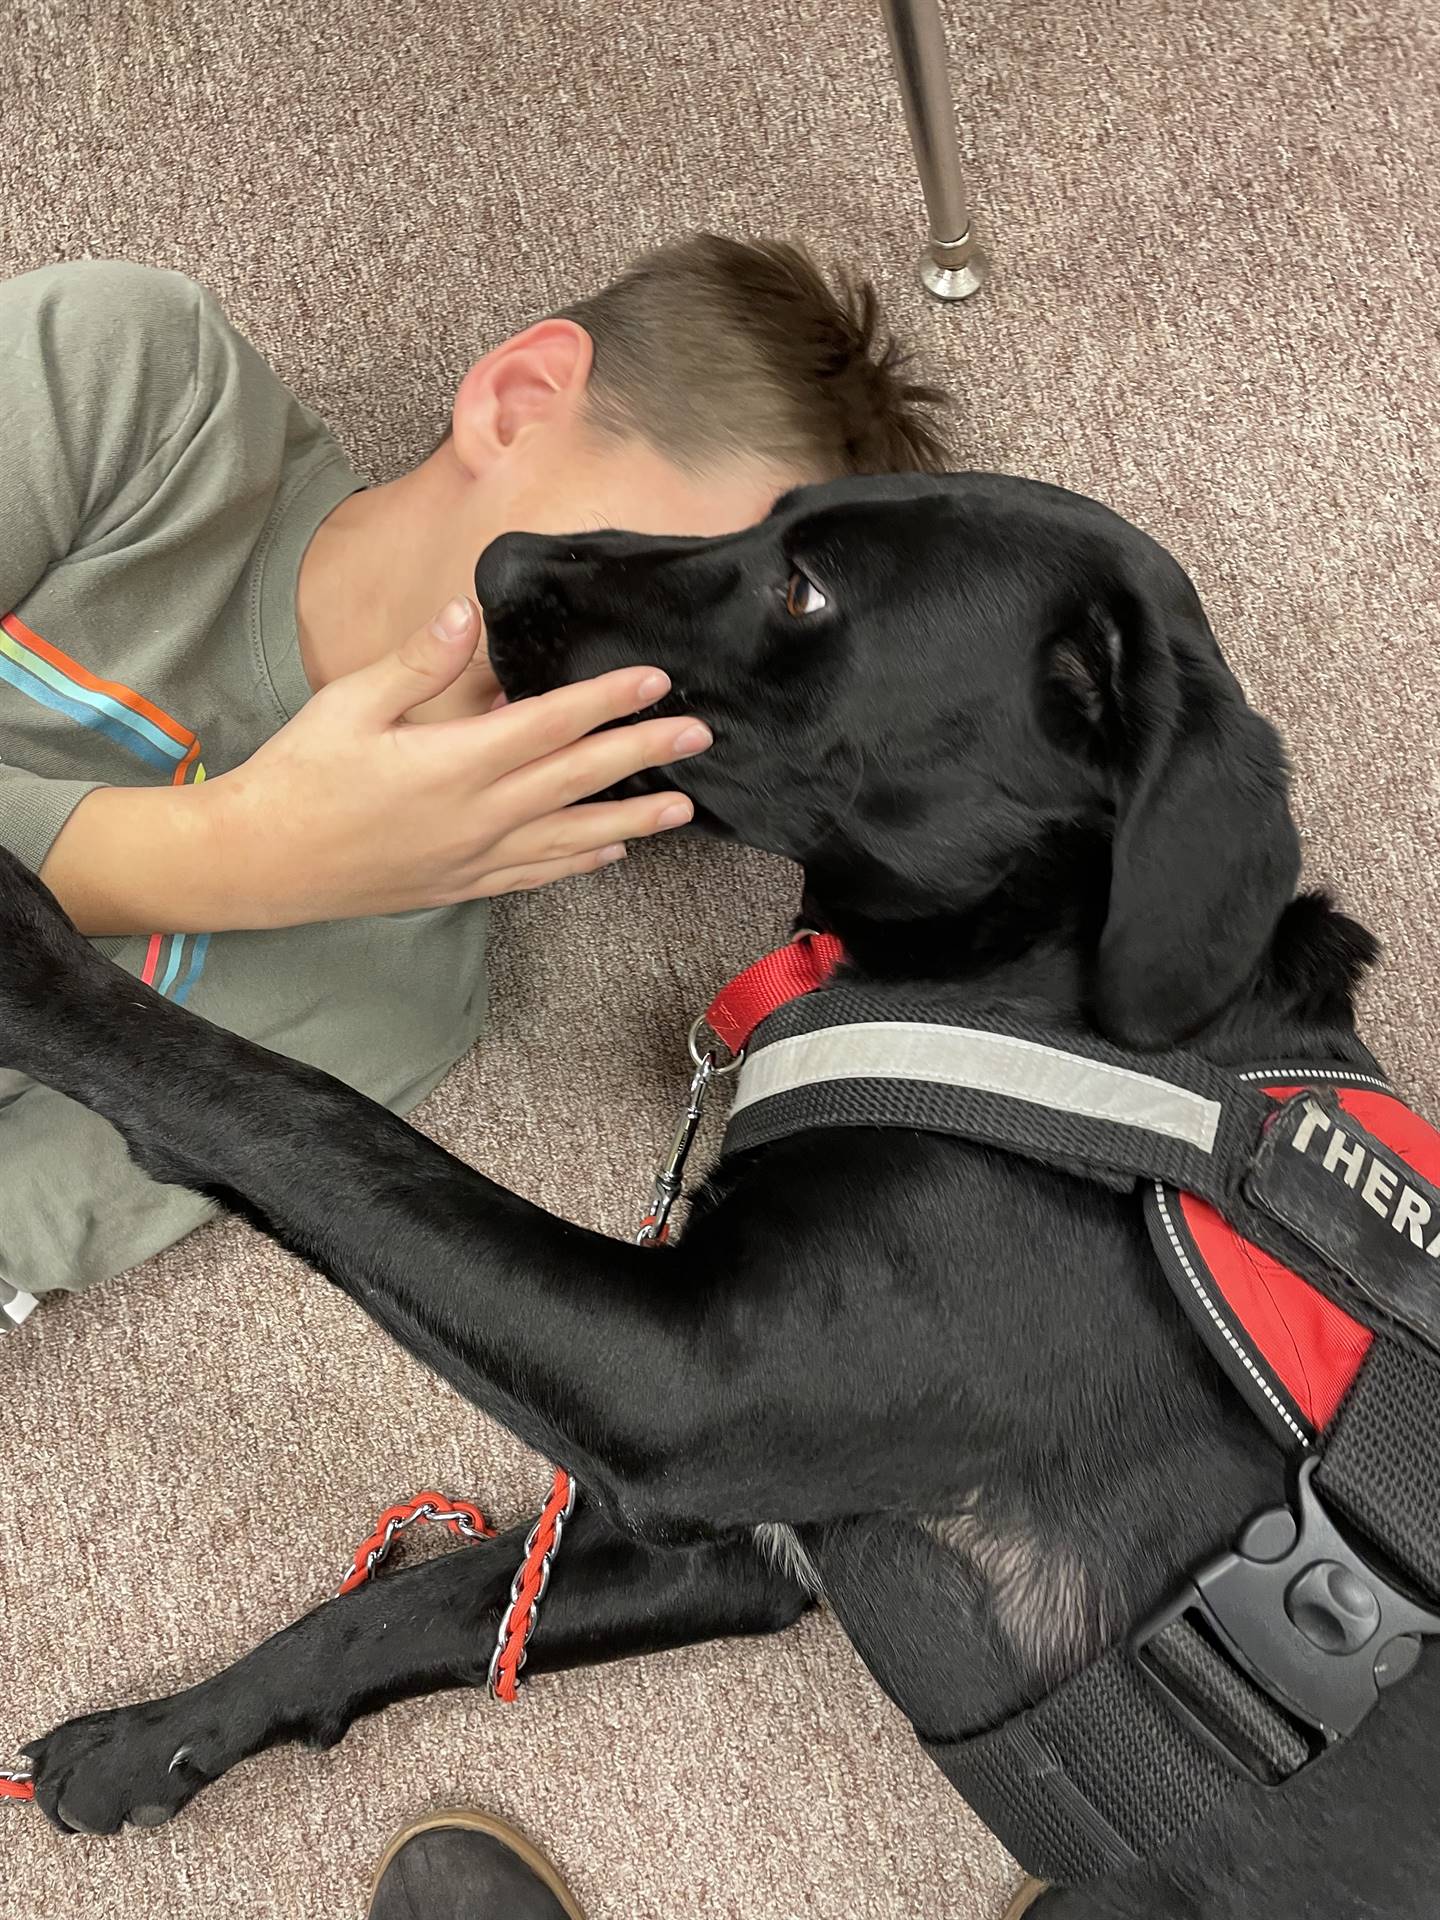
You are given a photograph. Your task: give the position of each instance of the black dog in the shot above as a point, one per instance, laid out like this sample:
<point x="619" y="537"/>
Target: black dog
<point x="990" y="721"/>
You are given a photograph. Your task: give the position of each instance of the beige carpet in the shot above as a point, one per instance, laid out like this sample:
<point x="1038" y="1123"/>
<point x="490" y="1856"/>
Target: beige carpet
<point x="1214" y="306"/>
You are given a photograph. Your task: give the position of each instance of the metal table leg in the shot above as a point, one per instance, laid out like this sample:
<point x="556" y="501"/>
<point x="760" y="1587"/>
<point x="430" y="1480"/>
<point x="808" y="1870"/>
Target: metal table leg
<point x="952" y="266"/>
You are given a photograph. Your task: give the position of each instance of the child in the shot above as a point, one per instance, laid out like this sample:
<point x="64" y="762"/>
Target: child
<point x="207" y="738"/>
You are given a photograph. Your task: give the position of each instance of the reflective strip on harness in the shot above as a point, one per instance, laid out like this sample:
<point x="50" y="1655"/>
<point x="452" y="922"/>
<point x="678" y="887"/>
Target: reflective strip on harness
<point x="948" y="1056"/>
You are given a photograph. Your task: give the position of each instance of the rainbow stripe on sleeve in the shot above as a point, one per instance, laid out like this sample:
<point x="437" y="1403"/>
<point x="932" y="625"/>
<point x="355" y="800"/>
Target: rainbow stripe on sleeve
<point x="43" y="673"/>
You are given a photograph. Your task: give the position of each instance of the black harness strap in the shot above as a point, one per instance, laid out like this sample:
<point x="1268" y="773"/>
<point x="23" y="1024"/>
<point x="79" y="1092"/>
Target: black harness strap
<point x="1275" y="1649"/>
<point x="1381" y="1465"/>
<point x="1095" y="1779"/>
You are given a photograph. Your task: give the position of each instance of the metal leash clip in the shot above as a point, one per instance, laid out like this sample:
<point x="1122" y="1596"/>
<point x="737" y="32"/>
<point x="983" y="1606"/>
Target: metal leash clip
<point x="670" y="1178"/>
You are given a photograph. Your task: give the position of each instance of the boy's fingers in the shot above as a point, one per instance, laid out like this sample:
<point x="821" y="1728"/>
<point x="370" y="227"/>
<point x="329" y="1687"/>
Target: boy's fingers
<point x="474" y="690"/>
<point x="581" y="830"/>
<point x="419" y="668"/>
<point x="525" y="730"/>
<point x="525" y="878"/>
<point x="602" y="760"/>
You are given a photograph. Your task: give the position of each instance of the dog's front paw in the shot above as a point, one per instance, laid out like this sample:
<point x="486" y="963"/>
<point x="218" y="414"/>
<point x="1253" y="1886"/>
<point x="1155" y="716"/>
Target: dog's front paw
<point x="137" y="1765"/>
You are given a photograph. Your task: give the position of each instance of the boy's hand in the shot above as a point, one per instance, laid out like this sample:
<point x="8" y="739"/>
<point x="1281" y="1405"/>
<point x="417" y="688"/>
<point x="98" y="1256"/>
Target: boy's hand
<point x="353" y="809"/>
<point x="357" y="810"/>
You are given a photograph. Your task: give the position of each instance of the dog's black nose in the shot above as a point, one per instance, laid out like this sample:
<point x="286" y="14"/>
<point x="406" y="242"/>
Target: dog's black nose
<point x="498" y="571"/>
<point x="503" y="569"/>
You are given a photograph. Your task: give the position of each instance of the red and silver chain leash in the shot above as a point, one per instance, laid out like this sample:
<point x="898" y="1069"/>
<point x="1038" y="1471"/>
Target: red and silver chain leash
<point x="459" y="1517"/>
<point x="462" y="1517"/>
<point x="528" y="1588"/>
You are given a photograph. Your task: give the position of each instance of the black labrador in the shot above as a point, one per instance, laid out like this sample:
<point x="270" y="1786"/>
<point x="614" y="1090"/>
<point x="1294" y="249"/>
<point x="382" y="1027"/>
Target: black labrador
<point x="989" y="720"/>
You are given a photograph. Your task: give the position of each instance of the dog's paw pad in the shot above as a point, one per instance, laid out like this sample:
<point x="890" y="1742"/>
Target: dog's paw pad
<point x="150" y="1816"/>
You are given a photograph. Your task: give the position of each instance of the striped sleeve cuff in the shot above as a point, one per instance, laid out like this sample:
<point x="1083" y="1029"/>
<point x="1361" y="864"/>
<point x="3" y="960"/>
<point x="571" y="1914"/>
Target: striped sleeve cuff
<point x="33" y="810"/>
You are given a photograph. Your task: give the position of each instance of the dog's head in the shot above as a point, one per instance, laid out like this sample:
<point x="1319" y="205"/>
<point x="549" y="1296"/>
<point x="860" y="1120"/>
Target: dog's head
<point x="938" y="692"/>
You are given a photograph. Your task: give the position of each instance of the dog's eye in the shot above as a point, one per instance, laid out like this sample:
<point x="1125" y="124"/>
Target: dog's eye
<point x="802" y="596"/>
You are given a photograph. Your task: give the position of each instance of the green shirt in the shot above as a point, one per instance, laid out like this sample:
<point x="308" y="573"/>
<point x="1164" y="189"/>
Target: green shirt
<point x="158" y="489"/>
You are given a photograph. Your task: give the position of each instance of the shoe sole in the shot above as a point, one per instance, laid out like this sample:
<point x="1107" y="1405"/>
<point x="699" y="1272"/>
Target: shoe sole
<point x="469" y="1821"/>
<point x="1026" y="1898"/>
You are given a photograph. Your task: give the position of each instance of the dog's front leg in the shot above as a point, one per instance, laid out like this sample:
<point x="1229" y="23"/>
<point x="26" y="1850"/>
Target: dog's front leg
<point x="573" y="1340"/>
<point x="624" y="1363"/>
<point x="430" y="1627"/>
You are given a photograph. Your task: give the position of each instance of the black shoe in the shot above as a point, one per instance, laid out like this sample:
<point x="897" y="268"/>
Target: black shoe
<point x="467" y="1866"/>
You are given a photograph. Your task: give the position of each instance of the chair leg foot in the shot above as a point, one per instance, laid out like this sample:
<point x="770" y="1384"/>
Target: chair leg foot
<point x="956" y="271"/>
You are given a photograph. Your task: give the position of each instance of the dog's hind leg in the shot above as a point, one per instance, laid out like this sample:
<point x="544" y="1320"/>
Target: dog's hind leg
<point x="413" y="1632"/>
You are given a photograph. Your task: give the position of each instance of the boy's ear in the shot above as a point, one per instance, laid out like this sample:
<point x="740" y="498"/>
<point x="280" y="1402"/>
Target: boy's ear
<point x="538" y="376"/>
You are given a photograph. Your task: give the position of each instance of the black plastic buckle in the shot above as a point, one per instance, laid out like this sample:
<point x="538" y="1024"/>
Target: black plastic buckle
<point x="1305" y="1618"/>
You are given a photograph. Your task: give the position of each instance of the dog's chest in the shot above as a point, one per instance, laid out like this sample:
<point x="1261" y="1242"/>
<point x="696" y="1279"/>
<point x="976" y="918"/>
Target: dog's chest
<point x="780" y="1544"/>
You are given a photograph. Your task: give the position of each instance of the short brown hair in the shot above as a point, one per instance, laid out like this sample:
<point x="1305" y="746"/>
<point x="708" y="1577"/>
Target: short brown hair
<point x="713" y="347"/>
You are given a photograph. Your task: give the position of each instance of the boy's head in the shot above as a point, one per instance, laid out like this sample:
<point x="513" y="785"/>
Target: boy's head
<point x="684" y="397"/>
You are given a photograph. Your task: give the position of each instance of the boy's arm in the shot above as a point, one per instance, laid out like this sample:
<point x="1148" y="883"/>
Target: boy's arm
<point x="97" y="374"/>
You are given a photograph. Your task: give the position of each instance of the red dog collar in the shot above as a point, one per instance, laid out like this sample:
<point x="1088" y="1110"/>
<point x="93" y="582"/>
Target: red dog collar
<point x="800" y="966"/>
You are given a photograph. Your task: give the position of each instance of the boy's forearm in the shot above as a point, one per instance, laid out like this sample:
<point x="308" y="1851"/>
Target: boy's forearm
<point x="157" y="860"/>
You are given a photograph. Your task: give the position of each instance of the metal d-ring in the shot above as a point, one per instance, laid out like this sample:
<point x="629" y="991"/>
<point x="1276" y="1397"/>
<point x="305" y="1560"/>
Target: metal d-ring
<point x="699" y="1057"/>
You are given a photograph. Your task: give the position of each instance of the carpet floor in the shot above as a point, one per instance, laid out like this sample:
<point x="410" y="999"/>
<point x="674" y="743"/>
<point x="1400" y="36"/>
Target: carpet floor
<point x="1213" y="307"/>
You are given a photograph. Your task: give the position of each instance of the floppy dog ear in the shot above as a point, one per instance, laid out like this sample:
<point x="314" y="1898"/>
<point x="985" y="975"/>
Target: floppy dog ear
<point x="1205" y="855"/>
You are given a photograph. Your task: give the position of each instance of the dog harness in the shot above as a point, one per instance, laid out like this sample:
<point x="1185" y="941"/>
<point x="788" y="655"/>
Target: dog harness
<point x="1295" y="1211"/>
